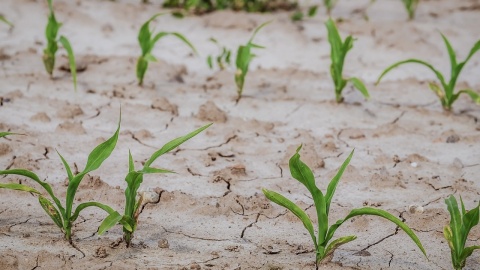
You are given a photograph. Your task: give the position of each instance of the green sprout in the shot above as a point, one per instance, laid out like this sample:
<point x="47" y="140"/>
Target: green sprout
<point x="461" y="222"/>
<point x="298" y="15"/>
<point x="339" y="50"/>
<point x="329" y="4"/>
<point x="147" y="42"/>
<point x="7" y="22"/>
<point x="244" y="57"/>
<point x="134" y="179"/>
<point x="446" y="95"/>
<point x="49" y="52"/>
<point x="324" y="247"/>
<point x="410" y="6"/>
<point x="222" y="59"/>
<point x="65" y="215"/>
<point x="4" y="134"/>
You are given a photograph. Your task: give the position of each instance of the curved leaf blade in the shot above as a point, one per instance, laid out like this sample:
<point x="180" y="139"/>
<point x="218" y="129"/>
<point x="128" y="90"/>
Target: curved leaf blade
<point x="360" y="86"/>
<point x="19" y="187"/>
<point x="71" y="59"/>
<point x="332" y="186"/>
<point x="51" y="211"/>
<point x="292" y="207"/>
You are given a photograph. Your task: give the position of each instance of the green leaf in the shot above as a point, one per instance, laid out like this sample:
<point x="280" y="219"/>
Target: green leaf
<point x="67" y="167"/>
<point x="455" y="222"/>
<point x="473" y="95"/>
<point x="360" y="86"/>
<point x="255" y="32"/>
<point x="4" y="134"/>
<point x="210" y="62"/>
<point x="102" y="151"/>
<point x="297" y="211"/>
<point x="110" y="221"/>
<point x="304" y="175"/>
<point x="467" y="252"/>
<point x="71" y="59"/>
<point x="51" y="211"/>
<point x="470" y="220"/>
<point x="437" y="73"/>
<point x="82" y="206"/>
<point x="332" y="186"/>
<point x="451" y="53"/>
<point x="312" y="11"/>
<point x="128" y="223"/>
<point x="131" y="165"/>
<point x="150" y="170"/>
<point x="186" y="41"/>
<point x="436" y="89"/>
<point x="337" y="243"/>
<point x="3" y="19"/>
<point x="448" y="234"/>
<point x="381" y="213"/>
<point x="19" y="187"/>
<point x="173" y="144"/>
<point x="35" y="178"/>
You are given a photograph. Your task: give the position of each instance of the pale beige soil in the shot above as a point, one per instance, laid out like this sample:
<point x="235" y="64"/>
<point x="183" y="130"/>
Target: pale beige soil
<point x="212" y="214"/>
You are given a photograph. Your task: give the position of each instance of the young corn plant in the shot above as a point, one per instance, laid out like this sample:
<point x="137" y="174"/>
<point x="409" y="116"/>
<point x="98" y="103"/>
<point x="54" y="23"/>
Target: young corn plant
<point x="445" y="92"/>
<point x="456" y="233"/>
<point x="49" y="52"/>
<point x="64" y="215"/>
<point x="339" y="50"/>
<point x="410" y="6"/>
<point x="324" y="246"/>
<point x="244" y="57"/>
<point x="222" y="59"/>
<point x="147" y="41"/>
<point x="134" y="178"/>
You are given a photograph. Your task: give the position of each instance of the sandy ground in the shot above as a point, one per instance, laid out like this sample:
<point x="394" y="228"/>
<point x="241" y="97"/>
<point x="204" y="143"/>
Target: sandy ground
<point x="212" y="214"/>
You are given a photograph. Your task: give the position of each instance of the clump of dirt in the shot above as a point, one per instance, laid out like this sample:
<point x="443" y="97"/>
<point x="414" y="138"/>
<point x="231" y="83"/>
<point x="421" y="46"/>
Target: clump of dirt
<point x="164" y="105"/>
<point x="210" y="112"/>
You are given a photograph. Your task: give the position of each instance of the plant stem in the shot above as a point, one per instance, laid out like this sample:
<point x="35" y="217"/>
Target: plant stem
<point x="127" y="237"/>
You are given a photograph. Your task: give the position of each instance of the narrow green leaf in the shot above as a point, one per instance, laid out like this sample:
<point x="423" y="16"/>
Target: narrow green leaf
<point x="467" y="252"/>
<point x="455" y="221"/>
<point x="470" y="220"/>
<point x="131" y="165"/>
<point x="210" y="62"/>
<point x="51" y="211"/>
<point x="437" y="73"/>
<point x="473" y="95"/>
<point x="380" y="213"/>
<point x="186" y="41"/>
<point x="332" y="186"/>
<point x="82" y="207"/>
<point x="337" y="243"/>
<point x="71" y="59"/>
<point x="110" y="221"/>
<point x="4" y="134"/>
<point x="312" y="11"/>
<point x="360" y="86"/>
<point x="67" y="167"/>
<point x="150" y="170"/>
<point x="3" y="19"/>
<point x="102" y="151"/>
<point x="20" y="187"/>
<point x="451" y="54"/>
<point x="128" y="223"/>
<point x="173" y="144"/>
<point x="255" y="32"/>
<point x="297" y="211"/>
<point x="35" y="178"/>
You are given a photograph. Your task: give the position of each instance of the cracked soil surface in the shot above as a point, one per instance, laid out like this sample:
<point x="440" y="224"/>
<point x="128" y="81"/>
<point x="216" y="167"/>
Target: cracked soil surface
<point x="409" y="154"/>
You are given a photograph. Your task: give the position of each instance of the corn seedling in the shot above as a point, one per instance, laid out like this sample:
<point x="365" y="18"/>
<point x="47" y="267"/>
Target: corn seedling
<point x="445" y="92"/>
<point x="222" y="59"/>
<point x="134" y="179"/>
<point x="244" y="57"/>
<point x="49" y="52"/>
<point x="299" y="15"/>
<point x="339" y="50"/>
<point x="65" y="215"/>
<point x="204" y="6"/>
<point x="411" y="6"/>
<point x="324" y="247"/>
<point x="4" y="20"/>
<point x="147" y="41"/>
<point x="456" y="233"/>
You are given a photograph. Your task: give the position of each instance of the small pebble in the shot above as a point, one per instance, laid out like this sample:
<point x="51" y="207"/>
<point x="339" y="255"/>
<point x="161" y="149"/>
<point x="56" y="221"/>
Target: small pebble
<point x="414" y="164"/>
